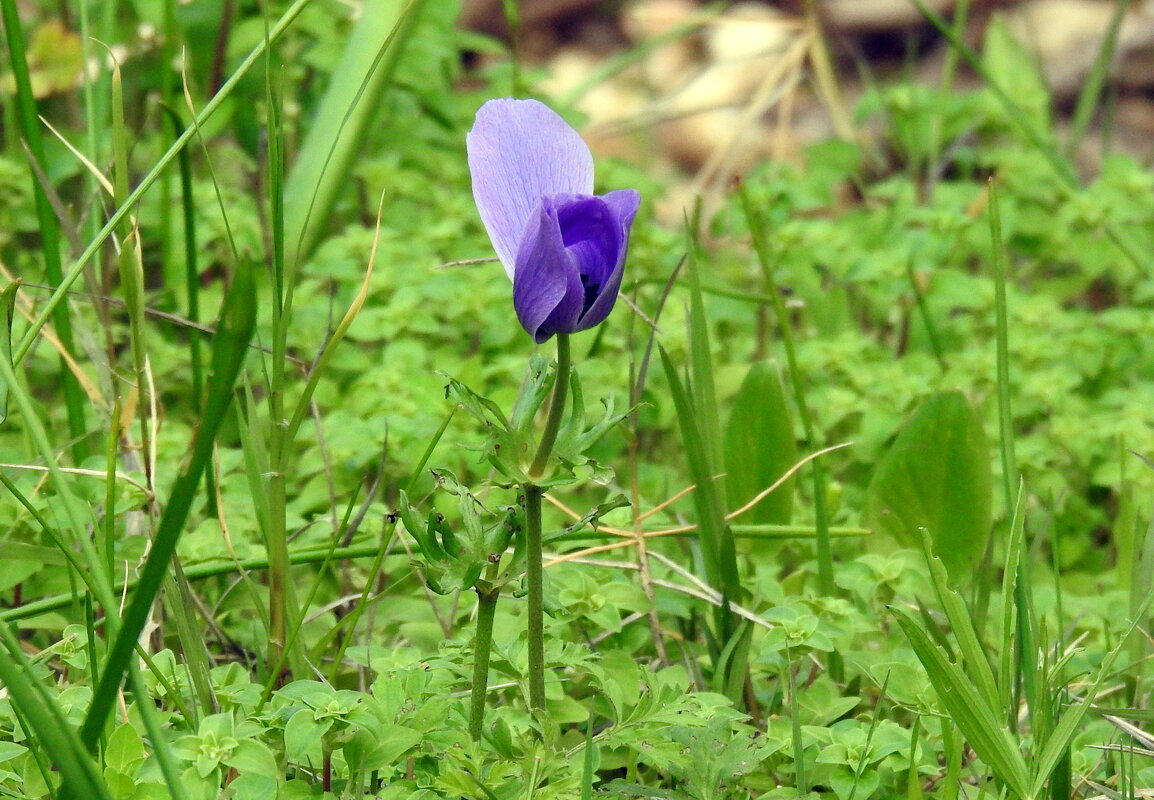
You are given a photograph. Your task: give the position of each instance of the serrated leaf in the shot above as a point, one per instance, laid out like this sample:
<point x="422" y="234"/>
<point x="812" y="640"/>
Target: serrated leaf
<point x="936" y="476"/>
<point x="973" y="654"/>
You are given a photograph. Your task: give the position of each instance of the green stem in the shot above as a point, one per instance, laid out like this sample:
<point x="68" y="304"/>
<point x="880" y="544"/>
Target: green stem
<point x="825" y="578"/>
<point x="534" y="577"/>
<point x="482" y="645"/>
<point x="556" y="409"/>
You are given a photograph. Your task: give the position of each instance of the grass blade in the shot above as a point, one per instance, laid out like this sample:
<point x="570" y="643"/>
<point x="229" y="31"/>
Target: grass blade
<point x="711" y="518"/>
<point x="968" y="709"/>
<point x="237" y="319"/>
<point x="322" y="168"/>
<point x="49" y="226"/>
<point x="1058" y="743"/>
<point x="48" y="309"/>
<point x="42" y="716"/>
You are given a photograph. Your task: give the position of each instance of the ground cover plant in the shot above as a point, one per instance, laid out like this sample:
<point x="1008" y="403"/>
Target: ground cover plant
<point x="336" y="465"/>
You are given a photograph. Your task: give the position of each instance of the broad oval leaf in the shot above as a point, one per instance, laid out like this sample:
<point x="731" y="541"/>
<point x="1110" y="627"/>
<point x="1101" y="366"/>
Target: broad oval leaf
<point x="936" y="475"/>
<point x="760" y="447"/>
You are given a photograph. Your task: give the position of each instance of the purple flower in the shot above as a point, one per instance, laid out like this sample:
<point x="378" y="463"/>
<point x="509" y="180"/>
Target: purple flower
<point x="562" y="246"/>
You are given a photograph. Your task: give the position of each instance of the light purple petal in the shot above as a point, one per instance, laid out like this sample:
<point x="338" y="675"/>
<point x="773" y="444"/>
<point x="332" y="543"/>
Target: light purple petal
<point x="547" y="291"/>
<point x="622" y="206"/>
<point x="521" y="151"/>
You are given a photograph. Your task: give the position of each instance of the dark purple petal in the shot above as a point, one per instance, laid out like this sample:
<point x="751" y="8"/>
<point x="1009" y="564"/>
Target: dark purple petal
<point x="569" y="266"/>
<point x="521" y="151"/>
<point x="547" y="291"/>
<point x="622" y="207"/>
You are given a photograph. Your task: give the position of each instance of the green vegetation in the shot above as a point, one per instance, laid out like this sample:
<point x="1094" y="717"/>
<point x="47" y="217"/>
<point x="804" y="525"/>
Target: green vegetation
<point x="263" y="420"/>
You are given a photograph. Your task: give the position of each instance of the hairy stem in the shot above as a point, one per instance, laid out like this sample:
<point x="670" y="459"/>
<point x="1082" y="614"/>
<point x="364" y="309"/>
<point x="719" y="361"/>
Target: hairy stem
<point x="482" y="645"/>
<point x="556" y="408"/>
<point x="535" y="580"/>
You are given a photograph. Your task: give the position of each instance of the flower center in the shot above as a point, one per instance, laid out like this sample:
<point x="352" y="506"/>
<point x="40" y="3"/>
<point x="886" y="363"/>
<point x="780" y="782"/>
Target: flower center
<point x="588" y="235"/>
<point x="592" y="289"/>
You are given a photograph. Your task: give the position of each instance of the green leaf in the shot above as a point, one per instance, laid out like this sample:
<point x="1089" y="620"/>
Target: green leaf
<point x="303" y="734"/>
<point x="1019" y="73"/>
<point x="391" y="742"/>
<point x="936" y="476"/>
<point x="710" y="518"/>
<point x="974" y="659"/>
<point x="7" y="312"/>
<point x="968" y="709"/>
<point x="125" y="751"/>
<point x="334" y="141"/>
<point x="254" y="758"/>
<point x="760" y="447"/>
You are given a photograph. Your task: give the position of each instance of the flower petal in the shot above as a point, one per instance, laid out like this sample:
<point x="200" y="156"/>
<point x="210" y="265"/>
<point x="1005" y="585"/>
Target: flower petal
<point x="547" y="291"/>
<point x="519" y="152"/>
<point x="622" y="206"/>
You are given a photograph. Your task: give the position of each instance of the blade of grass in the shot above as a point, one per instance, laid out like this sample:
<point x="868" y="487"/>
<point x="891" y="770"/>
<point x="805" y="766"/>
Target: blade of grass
<point x="1058" y="743"/>
<point x="913" y="780"/>
<point x="1091" y="92"/>
<point x="973" y="654"/>
<point x="237" y="320"/>
<point x="1026" y="648"/>
<point x="1009" y="648"/>
<point x="76" y="269"/>
<point x="968" y="709"/>
<point x="49" y="226"/>
<point x="797" y="382"/>
<point x="1037" y="139"/>
<point x="42" y="717"/>
<point x="703" y="410"/>
<point x="710" y="516"/>
<point x="321" y="170"/>
<point x="283" y="608"/>
<point x="796" y="732"/>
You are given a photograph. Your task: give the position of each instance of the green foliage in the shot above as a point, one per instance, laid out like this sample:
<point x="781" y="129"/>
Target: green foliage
<point x="936" y="476"/>
<point x="863" y="286"/>
<point x="760" y="447"/>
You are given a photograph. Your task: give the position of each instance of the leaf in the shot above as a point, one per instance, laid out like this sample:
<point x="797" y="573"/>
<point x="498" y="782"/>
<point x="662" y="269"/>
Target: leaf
<point x="1018" y="72"/>
<point x="590" y="518"/>
<point x="936" y="476"/>
<point x="710" y="519"/>
<point x="125" y="751"/>
<point x="254" y="758"/>
<point x="968" y="709"/>
<point x="391" y="743"/>
<point x="303" y="734"/>
<point x="7" y="313"/>
<point x="337" y="134"/>
<point x="760" y="447"/>
<point x="970" y="647"/>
